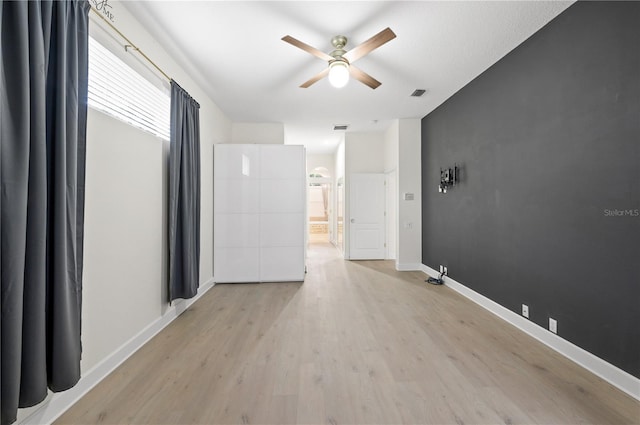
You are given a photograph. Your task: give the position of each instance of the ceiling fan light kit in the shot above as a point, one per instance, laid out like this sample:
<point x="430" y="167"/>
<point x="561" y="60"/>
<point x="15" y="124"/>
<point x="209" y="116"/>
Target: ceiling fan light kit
<point x="340" y="62"/>
<point x="338" y="73"/>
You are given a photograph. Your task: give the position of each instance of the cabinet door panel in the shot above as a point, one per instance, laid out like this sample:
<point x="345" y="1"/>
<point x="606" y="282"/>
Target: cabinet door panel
<point x="282" y="162"/>
<point x="236" y="230"/>
<point x="282" y="264"/>
<point x="282" y="196"/>
<point x="236" y="265"/>
<point x="236" y="196"/>
<point x="281" y="229"/>
<point x="236" y="162"/>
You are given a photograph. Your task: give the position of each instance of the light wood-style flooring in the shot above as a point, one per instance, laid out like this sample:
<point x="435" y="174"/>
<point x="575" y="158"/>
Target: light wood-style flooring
<point x="357" y="343"/>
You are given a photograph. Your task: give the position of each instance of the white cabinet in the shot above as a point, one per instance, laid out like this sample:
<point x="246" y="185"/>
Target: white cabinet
<point x="259" y="213"/>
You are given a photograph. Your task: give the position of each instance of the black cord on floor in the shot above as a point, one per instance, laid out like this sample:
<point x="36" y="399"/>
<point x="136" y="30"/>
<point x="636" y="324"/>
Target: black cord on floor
<point x="436" y="280"/>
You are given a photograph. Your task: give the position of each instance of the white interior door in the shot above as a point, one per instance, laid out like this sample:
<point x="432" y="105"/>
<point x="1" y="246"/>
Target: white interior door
<point x="367" y="220"/>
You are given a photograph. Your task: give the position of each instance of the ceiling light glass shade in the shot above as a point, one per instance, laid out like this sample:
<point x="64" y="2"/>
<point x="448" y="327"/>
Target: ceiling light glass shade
<point x="338" y="73"/>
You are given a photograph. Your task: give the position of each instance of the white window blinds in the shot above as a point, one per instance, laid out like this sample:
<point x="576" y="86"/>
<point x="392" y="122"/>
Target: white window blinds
<point x="116" y="89"/>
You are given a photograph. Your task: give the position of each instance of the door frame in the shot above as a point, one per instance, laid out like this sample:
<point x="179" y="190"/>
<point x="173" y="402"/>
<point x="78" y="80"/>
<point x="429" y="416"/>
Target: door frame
<point x="391" y="214"/>
<point x="330" y="214"/>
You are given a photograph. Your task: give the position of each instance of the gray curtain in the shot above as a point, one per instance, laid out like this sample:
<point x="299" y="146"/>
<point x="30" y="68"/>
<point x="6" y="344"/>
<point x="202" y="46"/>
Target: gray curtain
<point x="42" y="160"/>
<point x="184" y="195"/>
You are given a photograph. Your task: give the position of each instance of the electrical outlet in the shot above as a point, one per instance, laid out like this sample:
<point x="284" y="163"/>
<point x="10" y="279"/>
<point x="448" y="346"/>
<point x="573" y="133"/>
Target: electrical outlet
<point x="553" y="325"/>
<point x="441" y="268"/>
<point x="525" y="310"/>
<point x="446" y="272"/>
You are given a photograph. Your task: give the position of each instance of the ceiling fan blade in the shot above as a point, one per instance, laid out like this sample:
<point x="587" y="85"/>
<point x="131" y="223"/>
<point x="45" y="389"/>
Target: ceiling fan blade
<point x="373" y="43"/>
<point x="304" y="46"/>
<point x="319" y="76"/>
<point x="363" y="77"/>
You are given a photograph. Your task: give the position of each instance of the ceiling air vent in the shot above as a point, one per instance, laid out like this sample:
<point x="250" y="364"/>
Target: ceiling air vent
<point x="341" y="127"/>
<point x="418" y="92"/>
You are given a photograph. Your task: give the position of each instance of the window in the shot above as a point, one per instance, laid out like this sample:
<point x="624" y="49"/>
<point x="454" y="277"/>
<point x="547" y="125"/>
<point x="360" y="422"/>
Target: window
<point x="116" y="89"/>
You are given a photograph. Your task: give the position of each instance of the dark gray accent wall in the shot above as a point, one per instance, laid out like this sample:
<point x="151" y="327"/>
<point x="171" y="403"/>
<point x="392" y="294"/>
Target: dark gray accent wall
<point x="547" y="212"/>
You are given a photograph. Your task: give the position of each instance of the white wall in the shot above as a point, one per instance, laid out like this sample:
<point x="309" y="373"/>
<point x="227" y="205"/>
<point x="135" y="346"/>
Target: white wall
<point x="126" y="194"/>
<point x="125" y="259"/>
<point x="409" y="181"/>
<point x="402" y="146"/>
<point x="364" y="152"/>
<point x="391" y="148"/>
<point x="263" y="133"/>
<point x="315" y="160"/>
<point x="339" y="160"/>
<point x="215" y="126"/>
<point x="339" y="198"/>
<point x="124" y="244"/>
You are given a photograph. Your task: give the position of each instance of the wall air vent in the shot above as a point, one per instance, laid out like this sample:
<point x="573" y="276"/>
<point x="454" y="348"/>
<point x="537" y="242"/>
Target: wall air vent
<point x="340" y="127"/>
<point x="418" y="92"/>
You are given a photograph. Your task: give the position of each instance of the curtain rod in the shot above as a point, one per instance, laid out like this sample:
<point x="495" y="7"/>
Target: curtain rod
<point x="131" y="45"/>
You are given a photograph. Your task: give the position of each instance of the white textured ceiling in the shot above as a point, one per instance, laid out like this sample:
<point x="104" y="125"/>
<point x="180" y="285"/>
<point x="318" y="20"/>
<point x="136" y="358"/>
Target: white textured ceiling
<point x="236" y="50"/>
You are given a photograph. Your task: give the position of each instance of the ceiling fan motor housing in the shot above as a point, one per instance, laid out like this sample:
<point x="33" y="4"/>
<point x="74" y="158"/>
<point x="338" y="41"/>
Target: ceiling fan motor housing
<point x="339" y="41"/>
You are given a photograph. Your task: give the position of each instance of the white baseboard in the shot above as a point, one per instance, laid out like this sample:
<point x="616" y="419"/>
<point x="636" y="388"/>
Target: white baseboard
<point x="57" y="403"/>
<point x="610" y="373"/>
<point x="408" y="267"/>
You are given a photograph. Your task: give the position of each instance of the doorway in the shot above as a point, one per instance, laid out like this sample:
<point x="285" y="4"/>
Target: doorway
<point x="319" y="200"/>
<point x="319" y="208"/>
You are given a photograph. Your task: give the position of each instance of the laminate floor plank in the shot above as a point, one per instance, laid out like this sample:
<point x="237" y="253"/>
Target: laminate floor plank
<point x="356" y="343"/>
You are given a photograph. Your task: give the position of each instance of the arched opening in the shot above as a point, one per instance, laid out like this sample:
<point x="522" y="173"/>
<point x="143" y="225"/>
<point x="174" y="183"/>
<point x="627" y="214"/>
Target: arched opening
<point x="319" y="205"/>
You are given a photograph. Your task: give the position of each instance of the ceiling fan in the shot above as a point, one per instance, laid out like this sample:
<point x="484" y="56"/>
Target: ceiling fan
<point x="341" y="61"/>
